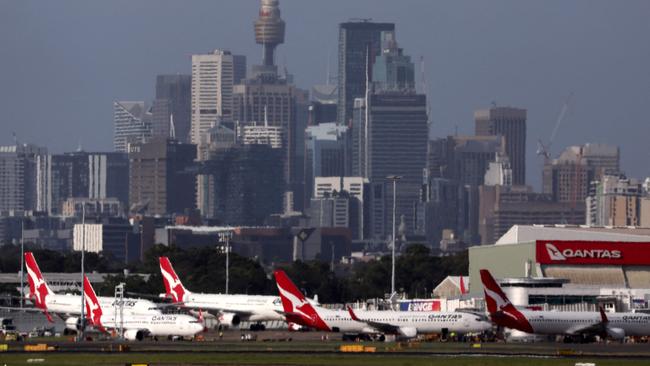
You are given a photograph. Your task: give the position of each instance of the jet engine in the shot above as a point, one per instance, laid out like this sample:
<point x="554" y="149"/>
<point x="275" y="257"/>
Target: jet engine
<point x="229" y="319"/>
<point x="134" y="334"/>
<point x="616" y="333"/>
<point x="73" y="323"/>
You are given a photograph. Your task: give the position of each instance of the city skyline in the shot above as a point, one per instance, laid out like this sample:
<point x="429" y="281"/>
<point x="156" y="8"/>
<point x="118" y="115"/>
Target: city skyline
<point x="472" y="56"/>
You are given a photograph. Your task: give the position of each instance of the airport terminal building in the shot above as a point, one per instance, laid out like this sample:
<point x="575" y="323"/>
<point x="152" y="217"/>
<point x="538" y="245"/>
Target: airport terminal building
<point x="568" y="267"/>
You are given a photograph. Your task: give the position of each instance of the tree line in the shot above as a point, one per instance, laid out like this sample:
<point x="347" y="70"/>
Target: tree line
<point x="204" y="270"/>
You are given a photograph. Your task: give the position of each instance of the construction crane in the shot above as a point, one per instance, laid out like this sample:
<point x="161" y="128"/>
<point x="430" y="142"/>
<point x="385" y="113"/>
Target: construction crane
<point x="545" y="149"/>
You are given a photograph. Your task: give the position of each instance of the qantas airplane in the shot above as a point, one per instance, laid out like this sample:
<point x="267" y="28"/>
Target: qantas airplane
<point x="136" y="327"/>
<point x="231" y="309"/>
<point x="49" y="302"/>
<point x="572" y="324"/>
<point x="401" y="323"/>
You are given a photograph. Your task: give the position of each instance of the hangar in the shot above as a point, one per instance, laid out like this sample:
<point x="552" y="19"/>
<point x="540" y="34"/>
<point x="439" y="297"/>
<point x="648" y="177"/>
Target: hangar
<point x="569" y="267"/>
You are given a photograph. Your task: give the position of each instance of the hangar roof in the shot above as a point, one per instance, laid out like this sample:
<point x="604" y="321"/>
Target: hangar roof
<point x="529" y="233"/>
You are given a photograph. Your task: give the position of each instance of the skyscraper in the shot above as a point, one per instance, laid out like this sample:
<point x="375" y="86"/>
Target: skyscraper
<point x="177" y="89"/>
<point x="615" y="201"/>
<point x="325" y="153"/>
<point x="464" y="159"/>
<point x="18" y="176"/>
<point x="392" y="69"/>
<point x="568" y="177"/>
<point x="108" y="176"/>
<point x="213" y="77"/>
<point x="80" y="175"/>
<point x="132" y="124"/>
<point x="59" y="177"/>
<point x="511" y="124"/>
<point x="394" y="142"/>
<point x="247" y="183"/>
<point x="389" y="136"/>
<point x="160" y="176"/>
<point x="359" y="44"/>
<point x="269" y="98"/>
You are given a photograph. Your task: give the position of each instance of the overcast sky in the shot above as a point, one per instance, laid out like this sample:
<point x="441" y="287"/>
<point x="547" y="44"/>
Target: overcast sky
<point x="62" y="63"/>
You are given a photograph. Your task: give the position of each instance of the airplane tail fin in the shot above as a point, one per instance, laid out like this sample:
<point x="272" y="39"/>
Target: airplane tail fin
<point x="296" y="307"/>
<point x="501" y="310"/>
<point x="38" y="288"/>
<point x="495" y="298"/>
<point x="289" y="293"/>
<point x="463" y="289"/>
<point x="35" y="277"/>
<point x="93" y="308"/>
<point x="173" y="286"/>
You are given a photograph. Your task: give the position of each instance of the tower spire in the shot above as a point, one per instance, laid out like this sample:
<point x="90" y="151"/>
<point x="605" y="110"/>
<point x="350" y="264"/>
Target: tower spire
<point x="269" y="29"/>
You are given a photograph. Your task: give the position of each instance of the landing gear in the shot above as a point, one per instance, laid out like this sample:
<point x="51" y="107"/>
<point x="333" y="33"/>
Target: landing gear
<point x="257" y="327"/>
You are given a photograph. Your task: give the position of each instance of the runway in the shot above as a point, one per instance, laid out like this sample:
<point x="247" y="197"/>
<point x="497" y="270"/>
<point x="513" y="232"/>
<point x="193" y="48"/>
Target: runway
<point x="289" y="348"/>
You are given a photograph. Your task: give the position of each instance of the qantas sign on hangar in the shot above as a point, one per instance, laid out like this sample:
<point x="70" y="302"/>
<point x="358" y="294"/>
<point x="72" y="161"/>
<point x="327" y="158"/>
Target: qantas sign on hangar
<point x="621" y="261"/>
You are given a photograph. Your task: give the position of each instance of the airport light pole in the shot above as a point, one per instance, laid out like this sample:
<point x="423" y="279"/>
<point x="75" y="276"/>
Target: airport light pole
<point x="224" y="237"/>
<point x="119" y="304"/>
<point x="227" y="263"/>
<point x="82" y="319"/>
<point x="22" y="263"/>
<point x="393" y="178"/>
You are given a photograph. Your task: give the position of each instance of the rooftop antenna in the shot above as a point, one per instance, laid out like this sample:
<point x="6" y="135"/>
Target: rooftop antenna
<point x="266" y="116"/>
<point x="425" y="90"/>
<point x="80" y="147"/>
<point x="367" y="115"/>
<point x="172" y="128"/>
<point x="327" y="73"/>
<point x="15" y="138"/>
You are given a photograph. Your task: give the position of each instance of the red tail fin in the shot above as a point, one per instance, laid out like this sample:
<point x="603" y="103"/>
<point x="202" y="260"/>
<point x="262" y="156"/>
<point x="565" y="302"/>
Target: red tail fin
<point x="295" y="305"/>
<point x="352" y="314"/>
<point x="495" y="298"/>
<point x="173" y="286"/>
<point x="93" y="308"/>
<point x="463" y="290"/>
<point x="38" y="288"/>
<point x="501" y="310"/>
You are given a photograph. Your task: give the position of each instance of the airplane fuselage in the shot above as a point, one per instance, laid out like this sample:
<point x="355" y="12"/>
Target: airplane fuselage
<point x="571" y="323"/>
<point x="259" y="307"/>
<point x="422" y="322"/>
<point x="155" y="325"/>
<point x="71" y="305"/>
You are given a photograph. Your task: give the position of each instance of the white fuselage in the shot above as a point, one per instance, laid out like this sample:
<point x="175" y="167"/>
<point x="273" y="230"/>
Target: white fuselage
<point x="71" y="305"/>
<point x="155" y="325"/>
<point x="556" y="322"/>
<point x="422" y="322"/>
<point x="260" y="308"/>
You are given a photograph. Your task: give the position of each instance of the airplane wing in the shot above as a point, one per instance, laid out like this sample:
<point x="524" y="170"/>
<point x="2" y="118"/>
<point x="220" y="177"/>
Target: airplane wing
<point x="379" y="326"/>
<point x="241" y="313"/>
<point x="17" y="309"/>
<point x="598" y="328"/>
<point x="30" y="310"/>
<point x="478" y="314"/>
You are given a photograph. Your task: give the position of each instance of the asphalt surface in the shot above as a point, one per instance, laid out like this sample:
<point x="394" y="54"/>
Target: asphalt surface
<point x="285" y="342"/>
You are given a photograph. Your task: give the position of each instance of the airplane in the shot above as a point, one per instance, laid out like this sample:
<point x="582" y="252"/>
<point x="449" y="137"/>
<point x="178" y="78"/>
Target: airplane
<point x="403" y="324"/>
<point x="231" y="309"/>
<point x="571" y="324"/>
<point x="136" y="327"/>
<point x="48" y="302"/>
